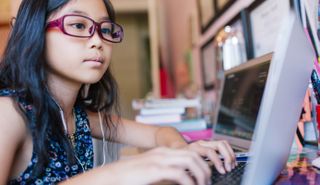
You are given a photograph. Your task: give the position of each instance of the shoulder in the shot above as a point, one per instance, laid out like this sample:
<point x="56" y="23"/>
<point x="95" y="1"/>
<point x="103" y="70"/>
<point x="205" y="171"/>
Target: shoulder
<point x="93" y="118"/>
<point x="13" y="132"/>
<point x="11" y="120"/>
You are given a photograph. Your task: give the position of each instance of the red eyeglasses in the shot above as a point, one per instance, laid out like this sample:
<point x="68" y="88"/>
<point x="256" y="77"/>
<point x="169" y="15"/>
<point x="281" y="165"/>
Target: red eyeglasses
<point x="84" y="27"/>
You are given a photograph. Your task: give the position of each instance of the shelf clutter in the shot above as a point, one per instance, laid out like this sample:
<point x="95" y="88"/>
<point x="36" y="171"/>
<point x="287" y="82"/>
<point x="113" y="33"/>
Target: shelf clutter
<point x="182" y="114"/>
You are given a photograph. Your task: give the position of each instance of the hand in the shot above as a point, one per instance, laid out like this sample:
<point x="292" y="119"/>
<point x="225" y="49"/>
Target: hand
<point x="162" y="164"/>
<point x="212" y="149"/>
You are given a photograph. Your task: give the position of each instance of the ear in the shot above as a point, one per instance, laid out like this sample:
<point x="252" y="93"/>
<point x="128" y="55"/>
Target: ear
<point x="12" y="21"/>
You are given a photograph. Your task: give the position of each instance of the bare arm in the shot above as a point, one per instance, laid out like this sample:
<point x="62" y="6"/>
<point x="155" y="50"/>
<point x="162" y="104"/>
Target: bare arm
<point x="12" y="133"/>
<point x="150" y="136"/>
<point x="141" y="135"/>
<point x="159" y="164"/>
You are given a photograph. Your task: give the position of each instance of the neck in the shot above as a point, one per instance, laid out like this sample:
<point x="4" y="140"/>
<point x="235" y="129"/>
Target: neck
<point x="65" y="94"/>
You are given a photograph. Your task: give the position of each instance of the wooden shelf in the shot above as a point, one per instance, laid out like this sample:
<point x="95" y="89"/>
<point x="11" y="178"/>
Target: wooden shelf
<point x="129" y="6"/>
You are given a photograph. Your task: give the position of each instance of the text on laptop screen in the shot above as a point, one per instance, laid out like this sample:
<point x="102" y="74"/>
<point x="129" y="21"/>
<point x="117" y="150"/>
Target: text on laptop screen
<point x="240" y="101"/>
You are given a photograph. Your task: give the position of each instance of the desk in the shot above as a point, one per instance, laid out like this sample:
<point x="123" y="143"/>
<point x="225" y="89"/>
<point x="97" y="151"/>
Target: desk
<point x="299" y="170"/>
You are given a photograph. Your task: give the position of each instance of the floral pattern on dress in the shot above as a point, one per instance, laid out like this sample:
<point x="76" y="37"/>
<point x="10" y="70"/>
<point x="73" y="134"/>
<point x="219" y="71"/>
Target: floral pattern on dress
<point x="58" y="168"/>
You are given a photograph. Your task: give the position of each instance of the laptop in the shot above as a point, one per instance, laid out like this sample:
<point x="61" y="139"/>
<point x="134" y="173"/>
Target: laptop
<point x="240" y="101"/>
<point x="279" y="109"/>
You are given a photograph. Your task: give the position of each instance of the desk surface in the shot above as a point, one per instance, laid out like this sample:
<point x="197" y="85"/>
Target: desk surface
<point x="299" y="169"/>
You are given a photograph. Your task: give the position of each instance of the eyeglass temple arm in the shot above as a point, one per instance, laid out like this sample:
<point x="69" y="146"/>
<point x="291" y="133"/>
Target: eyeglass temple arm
<point x="55" y="23"/>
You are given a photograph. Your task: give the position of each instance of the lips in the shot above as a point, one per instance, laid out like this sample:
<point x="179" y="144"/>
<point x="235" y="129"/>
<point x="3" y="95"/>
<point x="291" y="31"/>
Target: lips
<point x="97" y="59"/>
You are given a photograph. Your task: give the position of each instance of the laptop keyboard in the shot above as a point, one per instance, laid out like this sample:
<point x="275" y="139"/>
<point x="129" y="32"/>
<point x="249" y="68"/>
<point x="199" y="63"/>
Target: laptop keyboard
<point x="232" y="178"/>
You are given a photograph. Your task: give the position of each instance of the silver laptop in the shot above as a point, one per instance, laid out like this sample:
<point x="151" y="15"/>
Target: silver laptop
<point x="280" y="107"/>
<point x="239" y="105"/>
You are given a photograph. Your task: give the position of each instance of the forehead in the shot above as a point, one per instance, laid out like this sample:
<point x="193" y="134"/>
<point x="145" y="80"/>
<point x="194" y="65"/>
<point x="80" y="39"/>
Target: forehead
<point x="94" y="9"/>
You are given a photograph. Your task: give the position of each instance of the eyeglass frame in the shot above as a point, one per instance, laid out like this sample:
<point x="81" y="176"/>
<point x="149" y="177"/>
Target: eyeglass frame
<point x="59" y="22"/>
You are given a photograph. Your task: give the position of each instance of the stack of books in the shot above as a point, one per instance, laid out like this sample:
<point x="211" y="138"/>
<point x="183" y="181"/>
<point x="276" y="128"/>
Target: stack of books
<point x="182" y="114"/>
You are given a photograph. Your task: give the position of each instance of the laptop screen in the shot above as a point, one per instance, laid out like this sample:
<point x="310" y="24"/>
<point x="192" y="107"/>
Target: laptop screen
<point x="241" y="97"/>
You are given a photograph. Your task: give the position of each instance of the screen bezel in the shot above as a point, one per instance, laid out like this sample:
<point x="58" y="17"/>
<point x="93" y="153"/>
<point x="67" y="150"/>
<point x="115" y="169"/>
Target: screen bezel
<point x="239" y="143"/>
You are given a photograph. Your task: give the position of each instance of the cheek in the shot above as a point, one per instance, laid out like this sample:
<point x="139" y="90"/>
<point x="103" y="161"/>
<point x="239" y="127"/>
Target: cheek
<point x="57" y="49"/>
<point x="107" y="52"/>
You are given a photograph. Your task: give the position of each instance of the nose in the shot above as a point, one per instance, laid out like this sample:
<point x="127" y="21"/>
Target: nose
<point x="95" y="40"/>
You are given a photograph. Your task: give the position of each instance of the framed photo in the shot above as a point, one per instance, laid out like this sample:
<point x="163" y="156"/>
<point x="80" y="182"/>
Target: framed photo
<point x="5" y="13"/>
<point x="207" y="13"/>
<point x="234" y="41"/>
<point x="209" y="64"/>
<point x="4" y="33"/>
<point x="223" y="5"/>
<point x="265" y="22"/>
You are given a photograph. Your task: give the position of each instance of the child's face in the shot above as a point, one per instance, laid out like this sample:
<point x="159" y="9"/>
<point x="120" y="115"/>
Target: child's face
<point x="78" y="60"/>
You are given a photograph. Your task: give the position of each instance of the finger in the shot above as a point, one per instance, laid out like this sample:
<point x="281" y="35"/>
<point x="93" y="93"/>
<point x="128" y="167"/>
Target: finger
<point x="234" y="159"/>
<point x="195" y="155"/>
<point x="195" y="169"/>
<point x="216" y="161"/>
<point x="228" y="159"/>
<point x="223" y="148"/>
<point x="203" y="151"/>
<point x="191" y="161"/>
<point x="205" y="167"/>
<point x="176" y="175"/>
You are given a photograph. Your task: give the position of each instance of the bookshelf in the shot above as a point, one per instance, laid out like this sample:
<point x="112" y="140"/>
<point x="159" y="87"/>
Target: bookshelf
<point x="5" y="15"/>
<point x="151" y="8"/>
<point x="251" y="8"/>
<point x="4" y="11"/>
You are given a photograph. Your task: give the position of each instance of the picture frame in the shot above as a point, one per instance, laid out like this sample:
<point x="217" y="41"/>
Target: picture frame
<point x="223" y="5"/>
<point x="5" y="12"/>
<point x="4" y="33"/>
<point x="209" y="64"/>
<point x="206" y="12"/>
<point x="235" y="41"/>
<point x="265" y="20"/>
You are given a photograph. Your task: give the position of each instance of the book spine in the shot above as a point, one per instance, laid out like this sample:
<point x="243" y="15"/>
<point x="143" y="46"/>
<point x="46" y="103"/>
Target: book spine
<point x="159" y="119"/>
<point x="189" y="125"/>
<point x="161" y="111"/>
<point x="197" y="135"/>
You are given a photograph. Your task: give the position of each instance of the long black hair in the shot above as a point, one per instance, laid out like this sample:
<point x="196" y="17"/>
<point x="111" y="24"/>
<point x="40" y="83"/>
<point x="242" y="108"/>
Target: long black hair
<point x="24" y="67"/>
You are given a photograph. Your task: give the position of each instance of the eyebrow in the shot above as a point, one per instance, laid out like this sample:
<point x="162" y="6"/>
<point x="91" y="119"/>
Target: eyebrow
<point x="85" y="14"/>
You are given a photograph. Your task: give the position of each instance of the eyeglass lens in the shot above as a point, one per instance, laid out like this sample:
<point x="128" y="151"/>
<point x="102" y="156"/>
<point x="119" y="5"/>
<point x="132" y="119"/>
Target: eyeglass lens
<point x="84" y="27"/>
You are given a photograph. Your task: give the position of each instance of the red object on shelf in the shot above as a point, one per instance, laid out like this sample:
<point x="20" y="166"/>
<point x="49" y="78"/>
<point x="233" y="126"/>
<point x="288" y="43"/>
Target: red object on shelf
<point x="318" y="116"/>
<point x="197" y="135"/>
<point x="166" y="87"/>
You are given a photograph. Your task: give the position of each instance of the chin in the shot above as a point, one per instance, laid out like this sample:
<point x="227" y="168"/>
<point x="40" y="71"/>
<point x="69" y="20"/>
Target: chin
<point x="91" y="79"/>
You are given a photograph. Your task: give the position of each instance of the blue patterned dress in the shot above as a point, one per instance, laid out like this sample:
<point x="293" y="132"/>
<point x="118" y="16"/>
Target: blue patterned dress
<point x="58" y="168"/>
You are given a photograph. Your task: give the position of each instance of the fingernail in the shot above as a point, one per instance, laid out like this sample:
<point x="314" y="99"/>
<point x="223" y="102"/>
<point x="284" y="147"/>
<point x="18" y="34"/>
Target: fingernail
<point x="222" y="170"/>
<point x="209" y="182"/>
<point x="228" y="166"/>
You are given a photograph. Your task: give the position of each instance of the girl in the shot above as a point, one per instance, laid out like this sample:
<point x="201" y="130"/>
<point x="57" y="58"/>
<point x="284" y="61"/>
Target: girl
<point x="49" y="112"/>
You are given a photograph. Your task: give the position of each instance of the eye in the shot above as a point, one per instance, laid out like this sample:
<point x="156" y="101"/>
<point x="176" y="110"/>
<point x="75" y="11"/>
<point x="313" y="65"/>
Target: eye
<point x="78" y="26"/>
<point x="106" y="31"/>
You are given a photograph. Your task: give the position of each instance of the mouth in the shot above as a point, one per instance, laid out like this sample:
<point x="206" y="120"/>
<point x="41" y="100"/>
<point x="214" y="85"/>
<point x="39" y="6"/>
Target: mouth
<point x="98" y="59"/>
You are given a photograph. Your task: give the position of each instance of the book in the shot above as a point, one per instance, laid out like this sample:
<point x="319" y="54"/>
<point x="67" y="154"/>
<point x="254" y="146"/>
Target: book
<point x="162" y="111"/>
<point x="165" y="103"/>
<point x="188" y="125"/>
<point x="159" y="119"/>
<point x="180" y="102"/>
<point x="197" y="135"/>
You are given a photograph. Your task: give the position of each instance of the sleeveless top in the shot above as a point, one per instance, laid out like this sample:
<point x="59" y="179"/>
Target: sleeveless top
<point x="58" y="168"/>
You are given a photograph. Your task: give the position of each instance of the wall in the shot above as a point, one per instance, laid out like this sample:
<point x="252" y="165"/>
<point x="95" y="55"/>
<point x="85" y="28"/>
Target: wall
<point x="4" y="10"/>
<point x="8" y="9"/>
<point x="5" y="14"/>
<point x="130" y="63"/>
<point x="4" y="32"/>
<point x="177" y="21"/>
